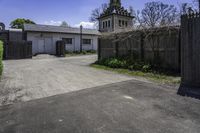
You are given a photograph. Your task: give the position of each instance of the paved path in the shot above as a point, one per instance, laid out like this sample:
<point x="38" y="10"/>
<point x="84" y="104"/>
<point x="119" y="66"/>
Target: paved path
<point x="126" y="107"/>
<point x="45" y="76"/>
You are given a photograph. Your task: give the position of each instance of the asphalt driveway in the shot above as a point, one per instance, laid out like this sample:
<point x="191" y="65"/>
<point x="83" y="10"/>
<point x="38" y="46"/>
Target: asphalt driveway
<point x="45" y="76"/>
<point x="125" y="107"/>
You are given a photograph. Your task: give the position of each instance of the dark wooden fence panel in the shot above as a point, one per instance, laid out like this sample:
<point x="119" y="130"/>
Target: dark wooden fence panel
<point x="18" y="50"/>
<point x="191" y="49"/>
<point x="60" y="48"/>
<point x="4" y="36"/>
<point x="164" y="41"/>
<point x="190" y="54"/>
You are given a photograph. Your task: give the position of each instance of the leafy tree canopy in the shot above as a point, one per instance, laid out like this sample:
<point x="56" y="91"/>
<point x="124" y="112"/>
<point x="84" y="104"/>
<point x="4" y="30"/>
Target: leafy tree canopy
<point x="19" y="23"/>
<point x="64" y="24"/>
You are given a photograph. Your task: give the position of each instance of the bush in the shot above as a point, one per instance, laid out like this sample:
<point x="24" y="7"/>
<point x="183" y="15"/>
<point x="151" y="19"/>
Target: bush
<point x="68" y="52"/>
<point x="84" y="52"/>
<point x="91" y="51"/>
<point x="146" y="68"/>
<point x="1" y="57"/>
<point x="126" y="63"/>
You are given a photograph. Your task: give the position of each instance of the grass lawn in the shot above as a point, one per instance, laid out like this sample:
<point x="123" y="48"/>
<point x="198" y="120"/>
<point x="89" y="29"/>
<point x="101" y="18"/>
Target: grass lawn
<point x="159" y="78"/>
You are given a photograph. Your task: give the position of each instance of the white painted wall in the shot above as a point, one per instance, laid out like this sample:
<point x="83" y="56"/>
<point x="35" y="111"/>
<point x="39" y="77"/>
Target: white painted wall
<point x="75" y="46"/>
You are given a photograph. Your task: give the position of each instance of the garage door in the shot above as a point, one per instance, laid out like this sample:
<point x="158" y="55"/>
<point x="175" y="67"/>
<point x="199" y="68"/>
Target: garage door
<point x="41" y="46"/>
<point x="45" y="46"/>
<point x="49" y="47"/>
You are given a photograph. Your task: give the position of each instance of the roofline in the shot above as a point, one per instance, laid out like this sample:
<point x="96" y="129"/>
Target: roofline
<point x="60" y="26"/>
<point x="116" y="14"/>
<point x="62" y="32"/>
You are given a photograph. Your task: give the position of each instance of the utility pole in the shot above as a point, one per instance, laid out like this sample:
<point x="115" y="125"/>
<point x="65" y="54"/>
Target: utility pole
<point x="81" y="38"/>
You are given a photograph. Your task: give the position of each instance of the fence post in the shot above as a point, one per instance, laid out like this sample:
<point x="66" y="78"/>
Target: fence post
<point x="142" y="47"/>
<point x="190" y="57"/>
<point x="117" y="47"/>
<point x="99" y="49"/>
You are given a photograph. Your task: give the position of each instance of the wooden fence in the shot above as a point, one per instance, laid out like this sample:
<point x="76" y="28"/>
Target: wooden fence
<point x="159" y="45"/>
<point x="18" y="50"/>
<point x="190" y="53"/>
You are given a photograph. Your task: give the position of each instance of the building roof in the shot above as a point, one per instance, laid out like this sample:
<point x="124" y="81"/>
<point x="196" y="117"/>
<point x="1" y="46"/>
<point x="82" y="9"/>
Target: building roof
<point x="15" y="30"/>
<point x="117" y="11"/>
<point x="58" y="29"/>
<point x="115" y="7"/>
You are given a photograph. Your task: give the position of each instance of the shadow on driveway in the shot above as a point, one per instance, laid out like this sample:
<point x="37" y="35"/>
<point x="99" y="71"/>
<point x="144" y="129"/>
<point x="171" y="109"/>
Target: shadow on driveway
<point x="125" y="107"/>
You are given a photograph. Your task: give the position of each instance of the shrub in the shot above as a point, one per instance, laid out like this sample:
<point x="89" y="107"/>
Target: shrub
<point x="126" y="63"/>
<point x="84" y="52"/>
<point x="68" y="52"/>
<point x="146" y="68"/>
<point x="115" y="63"/>
<point x="91" y="51"/>
<point x="1" y="57"/>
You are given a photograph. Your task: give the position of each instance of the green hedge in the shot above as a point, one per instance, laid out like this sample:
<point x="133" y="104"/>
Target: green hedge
<point x="1" y="57"/>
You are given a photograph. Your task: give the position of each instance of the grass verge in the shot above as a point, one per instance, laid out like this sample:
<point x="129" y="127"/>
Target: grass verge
<point x="159" y="78"/>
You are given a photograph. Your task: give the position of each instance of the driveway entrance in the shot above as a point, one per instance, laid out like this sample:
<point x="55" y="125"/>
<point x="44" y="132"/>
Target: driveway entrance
<point x="46" y="75"/>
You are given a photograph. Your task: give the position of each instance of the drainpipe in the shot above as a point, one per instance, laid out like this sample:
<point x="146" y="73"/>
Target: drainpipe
<point x="81" y="38"/>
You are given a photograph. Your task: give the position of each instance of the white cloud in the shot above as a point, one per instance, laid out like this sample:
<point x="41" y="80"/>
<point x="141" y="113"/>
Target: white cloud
<point x="52" y="22"/>
<point x="89" y="25"/>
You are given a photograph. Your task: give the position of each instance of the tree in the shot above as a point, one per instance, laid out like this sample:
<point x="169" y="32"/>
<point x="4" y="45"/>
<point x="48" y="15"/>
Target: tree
<point x="97" y="12"/>
<point x="133" y="13"/>
<point x="64" y="24"/>
<point x="19" y="23"/>
<point x="157" y="14"/>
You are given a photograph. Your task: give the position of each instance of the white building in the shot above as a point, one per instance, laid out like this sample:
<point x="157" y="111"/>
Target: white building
<point x="44" y="38"/>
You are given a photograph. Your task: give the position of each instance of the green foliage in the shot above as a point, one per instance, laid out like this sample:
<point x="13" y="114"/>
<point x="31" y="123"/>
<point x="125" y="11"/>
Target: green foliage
<point x="1" y="57"/>
<point x="85" y="52"/>
<point x="126" y="63"/>
<point x="157" y="77"/>
<point x="146" y="68"/>
<point x="19" y="23"/>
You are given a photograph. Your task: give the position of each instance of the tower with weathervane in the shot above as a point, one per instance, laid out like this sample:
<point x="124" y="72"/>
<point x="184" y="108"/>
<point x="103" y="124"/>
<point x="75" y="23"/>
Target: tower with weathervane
<point x="115" y="18"/>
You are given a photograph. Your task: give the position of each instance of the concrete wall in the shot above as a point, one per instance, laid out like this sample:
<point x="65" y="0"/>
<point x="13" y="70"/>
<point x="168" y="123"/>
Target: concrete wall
<point x="114" y="19"/>
<point x="106" y="29"/>
<point x="75" y="46"/>
<point x="117" y="28"/>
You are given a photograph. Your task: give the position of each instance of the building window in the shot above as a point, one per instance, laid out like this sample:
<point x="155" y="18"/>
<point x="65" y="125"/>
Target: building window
<point x="106" y="24"/>
<point x="67" y="40"/>
<point x="109" y="23"/>
<point x="87" y="41"/>
<point x="120" y="23"/>
<point x="126" y="24"/>
<point x="103" y="25"/>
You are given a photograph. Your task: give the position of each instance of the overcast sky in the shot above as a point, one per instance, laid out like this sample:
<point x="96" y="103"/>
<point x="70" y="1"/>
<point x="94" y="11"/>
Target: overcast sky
<point x="53" y="12"/>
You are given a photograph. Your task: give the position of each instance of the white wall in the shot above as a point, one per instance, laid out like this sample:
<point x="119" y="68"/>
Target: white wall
<point x="35" y="36"/>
